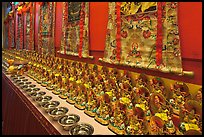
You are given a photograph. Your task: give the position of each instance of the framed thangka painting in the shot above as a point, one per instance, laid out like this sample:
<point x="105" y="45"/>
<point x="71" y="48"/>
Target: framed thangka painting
<point x="46" y="28"/>
<point x="75" y="29"/>
<point x="20" y="28"/>
<point x="28" y="14"/>
<point x="144" y="35"/>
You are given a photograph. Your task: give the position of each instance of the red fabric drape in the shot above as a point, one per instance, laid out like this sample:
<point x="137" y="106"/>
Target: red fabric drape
<point x="118" y="33"/>
<point x="159" y="34"/>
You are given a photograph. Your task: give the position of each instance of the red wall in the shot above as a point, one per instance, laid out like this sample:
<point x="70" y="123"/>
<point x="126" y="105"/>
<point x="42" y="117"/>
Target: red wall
<point x="190" y="26"/>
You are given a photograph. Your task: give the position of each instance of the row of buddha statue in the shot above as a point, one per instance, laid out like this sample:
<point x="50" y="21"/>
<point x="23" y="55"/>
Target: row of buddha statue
<point x="128" y="106"/>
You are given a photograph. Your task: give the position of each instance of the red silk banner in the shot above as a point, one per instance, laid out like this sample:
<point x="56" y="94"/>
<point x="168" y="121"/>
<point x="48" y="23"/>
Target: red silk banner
<point x="118" y="34"/>
<point x="81" y="25"/>
<point x="159" y="34"/>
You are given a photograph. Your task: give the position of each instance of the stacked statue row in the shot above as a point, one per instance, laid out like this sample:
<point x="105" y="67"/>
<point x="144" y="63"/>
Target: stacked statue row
<point x="128" y="106"/>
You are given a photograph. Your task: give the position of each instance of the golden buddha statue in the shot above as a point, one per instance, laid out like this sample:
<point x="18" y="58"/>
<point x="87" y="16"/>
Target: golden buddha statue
<point x="103" y="111"/>
<point x="155" y="126"/>
<point x="157" y="85"/>
<point x="118" y="118"/>
<point x="51" y="82"/>
<point x="81" y="98"/>
<point x="45" y="79"/>
<point x="91" y="105"/>
<point x="142" y="79"/>
<point x="72" y="92"/>
<point x="58" y="84"/>
<point x="64" y="89"/>
<point x="135" y="121"/>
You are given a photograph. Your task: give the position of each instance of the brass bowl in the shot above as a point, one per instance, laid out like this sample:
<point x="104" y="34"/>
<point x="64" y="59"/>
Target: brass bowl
<point x="27" y="83"/>
<point x="50" y="105"/>
<point x="17" y="80"/>
<point x="43" y="99"/>
<point x="68" y="121"/>
<point x="33" y="90"/>
<point x="24" y="80"/>
<point x="81" y="129"/>
<point x="20" y="83"/>
<point x="28" y="86"/>
<point x="34" y="95"/>
<point x="28" y="90"/>
<point x="56" y="113"/>
<point x="32" y="86"/>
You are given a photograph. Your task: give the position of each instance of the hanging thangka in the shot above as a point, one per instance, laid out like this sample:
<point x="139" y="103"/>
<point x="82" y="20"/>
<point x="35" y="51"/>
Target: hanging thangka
<point x="46" y="28"/>
<point x="28" y="12"/>
<point x="11" y="27"/>
<point x="144" y="35"/>
<point x="19" y="40"/>
<point x="75" y="32"/>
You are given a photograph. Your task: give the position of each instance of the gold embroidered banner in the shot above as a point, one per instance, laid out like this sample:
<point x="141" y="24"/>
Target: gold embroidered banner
<point x="19" y="40"/>
<point x="46" y="28"/>
<point x="139" y="36"/>
<point x="75" y="29"/>
<point x="28" y="13"/>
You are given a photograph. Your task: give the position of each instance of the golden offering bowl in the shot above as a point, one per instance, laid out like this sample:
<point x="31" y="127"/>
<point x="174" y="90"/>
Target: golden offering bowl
<point x="50" y="105"/>
<point x="68" y="121"/>
<point x="56" y="113"/>
<point x="81" y="129"/>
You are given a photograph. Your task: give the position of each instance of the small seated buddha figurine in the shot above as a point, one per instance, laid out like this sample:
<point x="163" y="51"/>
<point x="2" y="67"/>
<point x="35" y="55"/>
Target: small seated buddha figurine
<point x="198" y="97"/>
<point x="81" y="98"/>
<point x="72" y="92"/>
<point x="126" y="92"/>
<point x="58" y="89"/>
<point x="51" y="82"/>
<point x="194" y="114"/>
<point x="44" y="81"/>
<point x="155" y="126"/>
<point x="190" y="122"/>
<point x="180" y="94"/>
<point x="157" y="85"/>
<point x="142" y="79"/>
<point x="158" y="106"/>
<point x="135" y="121"/>
<point x="103" y="111"/>
<point x="64" y="89"/>
<point x="118" y="118"/>
<point x="126" y="77"/>
<point x="140" y="97"/>
<point x="91" y="105"/>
